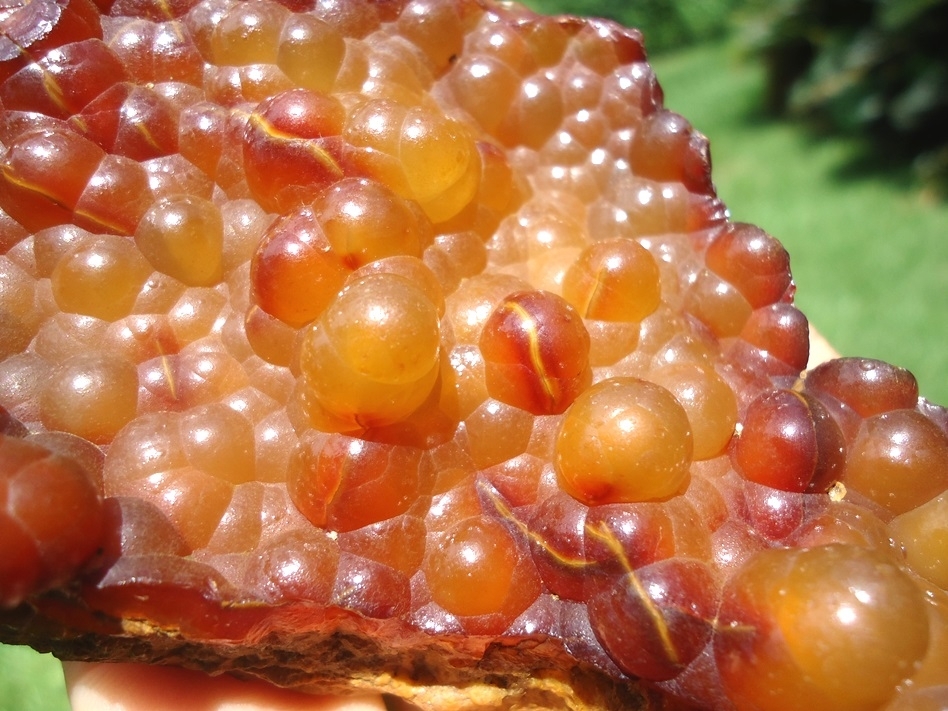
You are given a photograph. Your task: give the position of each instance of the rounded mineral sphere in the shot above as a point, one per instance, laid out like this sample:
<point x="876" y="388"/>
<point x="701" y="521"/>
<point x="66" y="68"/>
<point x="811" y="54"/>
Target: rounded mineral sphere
<point x="374" y="356"/>
<point x="923" y="534"/>
<point x="898" y="460"/>
<point x="91" y="395"/>
<point x="708" y="400"/>
<point x="624" y="440"/>
<point x="471" y="571"/>
<point x="184" y="238"/>
<point x="616" y="280"/>
<point x="385" y="328"/>
<point x="832" y="628"/>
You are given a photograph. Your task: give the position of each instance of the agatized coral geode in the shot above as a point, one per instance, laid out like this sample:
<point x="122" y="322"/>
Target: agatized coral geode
<point x="404" y="345"/>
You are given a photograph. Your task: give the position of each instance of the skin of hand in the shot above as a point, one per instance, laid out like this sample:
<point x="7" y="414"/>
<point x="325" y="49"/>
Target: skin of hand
<point x="138" y="687"/>
<point x="820" y="349"/>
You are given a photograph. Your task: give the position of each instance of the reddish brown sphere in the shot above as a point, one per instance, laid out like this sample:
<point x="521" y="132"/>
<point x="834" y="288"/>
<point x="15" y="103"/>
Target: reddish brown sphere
<point x="868" y="386"/>
<point x="536" y="352"/>
<point x="51" y="516"/>
<point x="790" y="442"/>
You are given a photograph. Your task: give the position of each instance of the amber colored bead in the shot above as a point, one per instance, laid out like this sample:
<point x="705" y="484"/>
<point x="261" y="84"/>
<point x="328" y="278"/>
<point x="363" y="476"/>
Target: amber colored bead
<point x="629" y="93"/>
<point x="419" y="153"/>
<point x="91" y="395"/>
<point x="364" y="221"/>
<point x="718" y="304"/>
<point x="270" y="338"/>
<point x="779" y="331"/>
<point x="101" y="278"/>
<point x="374" y="356"/>
<point x="898" y="460"/>
<point x="708" y="401"/>
<point x="624" y="440"/>
<point x="310" y="52"/>
<point x="535" y="113"/>
<point x="201" y="129"/>
<point x="33" y="187"/>
<point x="188" y="378"/>
<point x="64" y="81"/>
<point x="295" y="273"/>
<point x="411" y="268"/>
<point x="197" y="313"/>
<point x="343" y="483"/>
<point x="536" y="352"/>
<point x="616" y="280"/>
<point x="174" y="176"/>
<point x="436" y="27"/>
<point x="473" y="78"/>
<point x="923" y="533"/>
<point x="833" y="627"/>
<point x="131" y="121"/>
<point x="497" y="432"/>
<point x="219" y="441"/>
<point x="470" y="572"/>
<point x="184" y="238"/>
<point x="299" y="565"/>
<point x="248" y="33"/>
<point x="602" y="45"/>
<point x="115" y="198"/>
<point x="173" y="55"/>
<point x="667" y="148"/>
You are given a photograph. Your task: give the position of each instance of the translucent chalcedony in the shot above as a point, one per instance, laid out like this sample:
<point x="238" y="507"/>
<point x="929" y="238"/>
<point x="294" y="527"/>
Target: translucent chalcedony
<point x="427" y="311"/>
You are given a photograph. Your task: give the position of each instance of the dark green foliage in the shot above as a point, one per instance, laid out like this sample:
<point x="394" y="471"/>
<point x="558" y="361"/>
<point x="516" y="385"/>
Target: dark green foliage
<point x="667" y="24"/>
<point x="875" y="67"/>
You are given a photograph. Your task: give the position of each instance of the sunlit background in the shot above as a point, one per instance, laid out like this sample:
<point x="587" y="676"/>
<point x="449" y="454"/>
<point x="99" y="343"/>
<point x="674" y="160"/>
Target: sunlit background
<point x="826" y="120"/>
<point x="810" y="142"/>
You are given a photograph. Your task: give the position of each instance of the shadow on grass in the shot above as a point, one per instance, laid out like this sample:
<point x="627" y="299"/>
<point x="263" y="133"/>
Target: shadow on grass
<point x="869" y="155"/>
<point x="864" y="158"/>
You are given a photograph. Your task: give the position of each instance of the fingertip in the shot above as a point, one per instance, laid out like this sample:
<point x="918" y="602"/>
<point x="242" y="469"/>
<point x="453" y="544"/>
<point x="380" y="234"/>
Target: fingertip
<point x="139" y="687"/>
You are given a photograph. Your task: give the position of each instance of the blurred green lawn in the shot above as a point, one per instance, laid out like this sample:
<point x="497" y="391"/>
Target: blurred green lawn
<point x="30" y="681"/>
<point x="870" y="253"/>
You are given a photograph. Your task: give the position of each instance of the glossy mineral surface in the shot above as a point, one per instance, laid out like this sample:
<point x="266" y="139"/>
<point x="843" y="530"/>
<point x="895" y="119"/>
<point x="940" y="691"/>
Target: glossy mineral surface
<point x="424" y="318"/>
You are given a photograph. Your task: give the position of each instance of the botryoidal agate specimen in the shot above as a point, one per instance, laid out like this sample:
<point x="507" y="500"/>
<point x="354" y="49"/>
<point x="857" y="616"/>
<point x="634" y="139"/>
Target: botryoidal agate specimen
<point x="406" y="346"/>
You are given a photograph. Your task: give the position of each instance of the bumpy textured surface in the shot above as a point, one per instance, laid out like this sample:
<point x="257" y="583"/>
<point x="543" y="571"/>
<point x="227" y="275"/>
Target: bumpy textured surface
<point x="405" y="345"/>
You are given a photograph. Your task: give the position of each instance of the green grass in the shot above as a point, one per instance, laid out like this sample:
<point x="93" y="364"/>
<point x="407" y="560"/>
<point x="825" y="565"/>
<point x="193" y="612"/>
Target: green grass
<point x="30" y="681"/>
<point x="869" y="251"/>
<point x="870" y="254"/>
